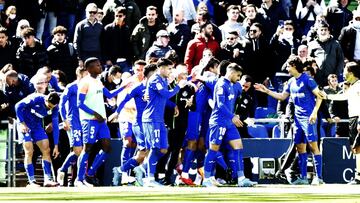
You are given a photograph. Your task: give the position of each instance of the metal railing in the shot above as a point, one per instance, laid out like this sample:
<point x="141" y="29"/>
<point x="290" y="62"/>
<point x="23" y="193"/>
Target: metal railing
<point x="10" y="153"/>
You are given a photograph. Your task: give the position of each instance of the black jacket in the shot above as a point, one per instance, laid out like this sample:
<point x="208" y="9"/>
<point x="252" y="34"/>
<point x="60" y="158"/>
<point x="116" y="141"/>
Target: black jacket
<point x="30" y="59"/>
<point x="347" y="41"/>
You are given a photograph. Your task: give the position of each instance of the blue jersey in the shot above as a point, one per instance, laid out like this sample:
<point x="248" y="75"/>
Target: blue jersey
<point x="158" y="92"/>
<point x="32" y="110"/>
<point x="71" y="111"/>
<point x="224" y="103"/>
<point x="300" y="90"/>
<point x="137" y="93"/>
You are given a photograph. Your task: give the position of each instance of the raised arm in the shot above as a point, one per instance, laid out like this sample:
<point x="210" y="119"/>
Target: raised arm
<point x="279" y="96"/>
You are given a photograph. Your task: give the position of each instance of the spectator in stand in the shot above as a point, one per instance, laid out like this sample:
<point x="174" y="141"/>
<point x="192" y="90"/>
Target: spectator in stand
<point x="7" y="50"/>
<point x="274" y="14"/>
<point x="338" y="16"/>
<point x="16" y="39"/>
<point x="160" y="47"/>
<point x="144" y="34"/>
<point x="116" y="37"/>
<point x="232" y="48"/>
<point x="312" y="34"/>
<point x="187" y="6"/>
<point x="87" y="35"/>
<point x="195" y="48"/>
<point x="67" y="16"/>
<point x="62" y="54"/>
<point x="203" y="17"/>
<point x="17" y="87"/>
<point x="99" y="15"/>
<point x="132" y="13"/>
<point x="337" y="109"/>
<point x="252" y="16"/>
<point x="349" y="39"/>
<point x="232" y="23"/>
<point x="179" y="33"/>
<point x="11" y="20"/>
<point x="327" y="53"/>
<point x="302" y="52"/>
<point x="31" y="54"/>
<point x="283" y="44"/>
<point x="306" y="12"/>
<point x="48" y="19"/>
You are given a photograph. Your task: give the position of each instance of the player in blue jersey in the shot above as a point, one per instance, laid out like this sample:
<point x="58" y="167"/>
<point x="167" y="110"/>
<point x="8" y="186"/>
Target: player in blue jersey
<point x="138" y="94"/>
<point x="307" y="100"/>
<point x="153" y="115"/>
<point x="69" y="113"/>
<point x="92" y="116"/>
<point x="30" y="112"/>
<point x="223" y="123"/>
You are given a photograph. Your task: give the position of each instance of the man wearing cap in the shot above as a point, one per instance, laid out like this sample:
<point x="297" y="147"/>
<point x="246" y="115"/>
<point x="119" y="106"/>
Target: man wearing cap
<point x="349" y="39"/>
<point x="328" y="54"/>
<point x="160" y="47"/>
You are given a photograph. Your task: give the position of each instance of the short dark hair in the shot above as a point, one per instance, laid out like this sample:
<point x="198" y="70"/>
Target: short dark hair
<point x="53" y="98"/>
<point x="3" y="31"/>
<point x="234" y="67"/>
<point x="163" y="62"/>
<point x="296" y="61"/>
<point x="211" y="63"/>
<point x="289" y="22"/>
<point x="222" y="66"/>
<point x="248" y="78"/>
<point x="232" y="7"/>
<point x="140" y="62"/>
<point x="203" y="26"/>
<point x="151" y="8"/>
<point x="172" y="56"/>
<point x="149" y="68"/>
<point x="59" y="29"/>
<point x="89" y="61"/>
<point x="114" y="69"/>
<point x="258" y="25"/>
<point x="354" y="68"/>
<point x="27" y="32"/>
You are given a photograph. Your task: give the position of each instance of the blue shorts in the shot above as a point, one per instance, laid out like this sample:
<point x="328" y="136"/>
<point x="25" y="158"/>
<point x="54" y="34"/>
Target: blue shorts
<point x="139" y="135"/>
<point x="305" y="132"/>
<point x="155" y="135"/>
<point x="192" y="131"/>
<point x="125" y="129"/>
<point x="34" y="135"/>
<point x="220" y="132"/>
<point x="93" y="130"/>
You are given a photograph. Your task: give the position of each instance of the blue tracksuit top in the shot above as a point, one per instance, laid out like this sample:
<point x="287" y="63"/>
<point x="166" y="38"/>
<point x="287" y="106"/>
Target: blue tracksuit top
<point x="158" y="92"/>
<point x="71" y="111"/>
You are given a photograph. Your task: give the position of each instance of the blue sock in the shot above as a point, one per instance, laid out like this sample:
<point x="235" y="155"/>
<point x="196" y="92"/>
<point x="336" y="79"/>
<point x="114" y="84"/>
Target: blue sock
<point x="240" y="162"/>
<point x="46" y="165"/>
<point x="200" y="156"/>
<point x="71" y="158"/>
<point x="130" y="164"/>
<point x="99" y="159"/>
<point x="83" y="158"/>
<point x="30" y="172"/>
<point x="154" y="157"/>
<point x="232" y="162"/>
<point x="220" y="160"/>
<point x="209" y="163"/>
<point x="318" y="165"/>
<point x="188" y="157"/>
<point x="303" y="165"/>
<point x="125" y="154"/>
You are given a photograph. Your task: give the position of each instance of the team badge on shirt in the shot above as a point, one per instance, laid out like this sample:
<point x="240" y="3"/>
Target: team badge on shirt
<point x="159" y="86"/>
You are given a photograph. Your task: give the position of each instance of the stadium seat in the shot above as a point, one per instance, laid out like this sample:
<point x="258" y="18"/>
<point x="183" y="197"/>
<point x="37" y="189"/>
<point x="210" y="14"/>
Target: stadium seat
<point x="264" y="112"/>
<point x="258" y="131"/>
<point x="276" y="132"/>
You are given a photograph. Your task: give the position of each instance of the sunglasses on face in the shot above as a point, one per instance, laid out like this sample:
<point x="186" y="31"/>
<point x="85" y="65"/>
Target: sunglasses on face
<point x="92" y="12"/>
<point x="254" y="31"/>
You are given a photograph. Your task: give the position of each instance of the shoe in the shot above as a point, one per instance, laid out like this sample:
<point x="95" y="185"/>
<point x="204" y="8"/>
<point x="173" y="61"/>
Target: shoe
<point x="187" y="181"/>
<point x="117" y="176"/>
<point x="245" y="182"/>
<point x="209" y="182"/>
<point x="83" y="183"/>
<point x="92" y="180"/>
<point x="151" y="183"/>
<point x="139" y="174"/>
<point x="50" y="183"/>
<point x="60" y="177"/>
<point x="317" y="181"/>
<point x="221" y="181"/>
<point x="198" y="179"/>
<point x="289" y="175"/>
<point x="281" y="178"/>
<point x="300" y="181"/>
<point x="228" y="174"/>
<point x="33" y="184"/>
<point x="354" y="182"/>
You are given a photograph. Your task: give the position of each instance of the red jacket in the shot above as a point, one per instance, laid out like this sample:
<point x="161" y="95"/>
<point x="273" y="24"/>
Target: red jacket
<point x="195" y="48"/>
